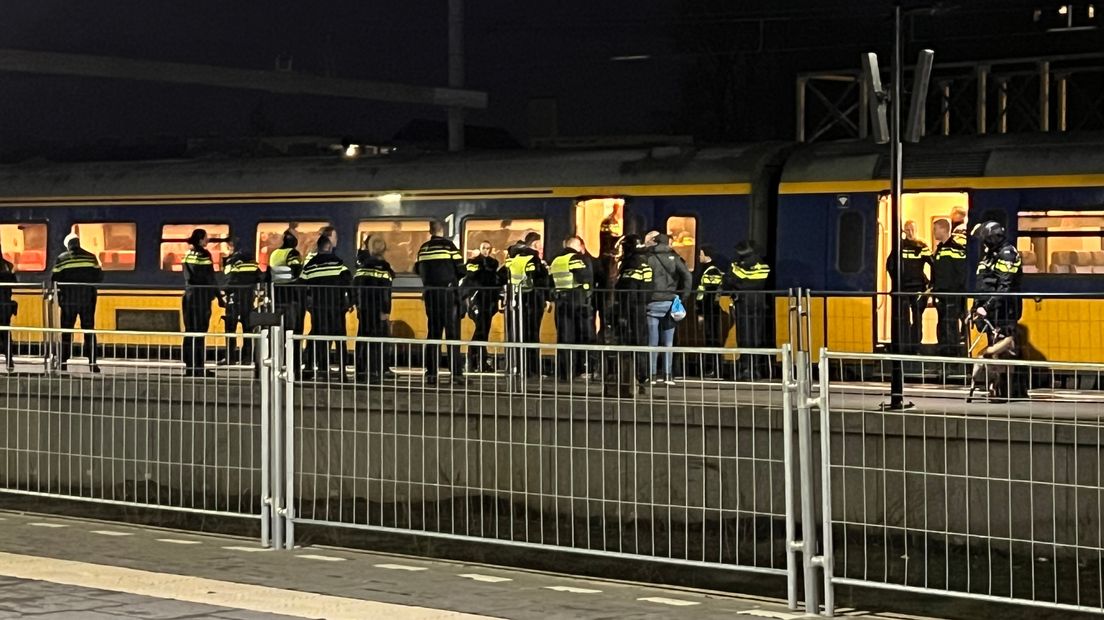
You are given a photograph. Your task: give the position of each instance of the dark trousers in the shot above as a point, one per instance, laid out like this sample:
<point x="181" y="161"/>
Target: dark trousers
<point x="523" y="325"/>
<point x="951" y="328"/>
<point x="443" y="315"/>
<point x="6" y="315"/>
<point x="754" y="330"/>
<point x="328" y="322"/>
<point x="294" y="317"/>
<point x="197" y="318"/>
<point x="369" y="355"/>
<point x="909" y="311"/>
<point x="69" y="315"/>
<point x="574" y="325"/>
<point x="237" y="314"/>
<point x="477" y="353"/>
<point x="712" y="336"/>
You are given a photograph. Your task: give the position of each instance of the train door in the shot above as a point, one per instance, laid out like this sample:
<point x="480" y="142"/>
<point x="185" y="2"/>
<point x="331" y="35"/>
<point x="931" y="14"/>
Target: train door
<point x="600" y="222"/>
<point x="921" y="213"/>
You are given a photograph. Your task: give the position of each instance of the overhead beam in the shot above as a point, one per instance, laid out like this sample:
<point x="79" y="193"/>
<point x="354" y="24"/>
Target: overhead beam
<point x="283" y="82"/>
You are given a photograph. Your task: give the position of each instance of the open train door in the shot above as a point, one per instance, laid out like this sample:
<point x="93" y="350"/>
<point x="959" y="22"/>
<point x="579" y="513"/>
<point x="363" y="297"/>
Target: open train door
<point x="920" y="212"/>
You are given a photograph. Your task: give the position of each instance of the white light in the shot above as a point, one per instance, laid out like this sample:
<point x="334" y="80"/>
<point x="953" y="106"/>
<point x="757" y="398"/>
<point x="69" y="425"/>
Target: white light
<point x="352" y="150"/>
<point x="390" y="198"/>
<point x="1064" y="9"/>
<point x="1092" y="12"/>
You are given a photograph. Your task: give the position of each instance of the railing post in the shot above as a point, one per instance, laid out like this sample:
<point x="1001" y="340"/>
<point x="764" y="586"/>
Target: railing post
<point x="793" y="546"/>
<point x="827" y="557"/>
<point x="278" y="376"/>
<point x="266" y="376"/>
<point x="808" y="543"/>
<point x="287" y="413"/>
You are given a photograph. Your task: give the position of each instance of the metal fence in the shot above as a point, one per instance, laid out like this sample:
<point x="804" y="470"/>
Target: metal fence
<point x="964" y="494"/>
<point x="989" y="487"/>
<point x="128" y="428"/>
<point x="601" y="461"/>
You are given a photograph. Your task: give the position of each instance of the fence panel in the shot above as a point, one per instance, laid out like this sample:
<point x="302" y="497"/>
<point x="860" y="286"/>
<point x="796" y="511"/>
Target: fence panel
<point x="129" y="428"/>
<point x="578" y="455"/>
<point x="965" y="495"/>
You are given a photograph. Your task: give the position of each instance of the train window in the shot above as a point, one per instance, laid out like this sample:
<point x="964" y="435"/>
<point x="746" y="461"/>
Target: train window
<point x="270" y="236"/>
<point x="174" y="244"/>
<point x="114" y="243"/>
<point x="683" y="231"/>
<point x="850" y="241"/>
<point x="501" y="233"/>
<point x="24" y="245"/>
<point x="403" y="238"/>
<point x="1061" y="242"/>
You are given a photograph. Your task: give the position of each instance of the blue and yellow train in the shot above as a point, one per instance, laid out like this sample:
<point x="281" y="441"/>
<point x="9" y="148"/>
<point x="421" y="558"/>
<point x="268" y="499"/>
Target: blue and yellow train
<point x="819" y="211"/>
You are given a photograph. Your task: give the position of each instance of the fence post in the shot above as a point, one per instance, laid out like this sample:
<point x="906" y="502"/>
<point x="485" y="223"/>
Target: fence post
<point x="266" y="375"/>
<point x="808" y="543"/>
<point x="827" y="555"/>
<point x="287" y="413"/>
<point x="793" y="546"/>
<point x="278" y="375"/>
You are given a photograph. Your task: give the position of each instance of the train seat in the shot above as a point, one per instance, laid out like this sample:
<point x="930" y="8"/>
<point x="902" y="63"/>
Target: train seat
<point x="1060" y="262"/>
<point x="1098" y="261"/>
<point x="1030" y="262"/>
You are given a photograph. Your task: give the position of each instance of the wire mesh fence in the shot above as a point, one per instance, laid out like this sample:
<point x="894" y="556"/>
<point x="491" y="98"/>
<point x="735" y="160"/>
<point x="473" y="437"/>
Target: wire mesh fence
<point x="985" y="495"/>
<point x="131" y="426"/>
<point x="585" y="452"/>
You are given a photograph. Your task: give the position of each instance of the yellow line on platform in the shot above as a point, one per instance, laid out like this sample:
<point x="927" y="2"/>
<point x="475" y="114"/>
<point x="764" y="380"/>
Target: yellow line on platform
<point x="212" y="592"/>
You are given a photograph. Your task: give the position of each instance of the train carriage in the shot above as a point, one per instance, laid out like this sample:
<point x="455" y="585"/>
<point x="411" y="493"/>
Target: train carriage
<point x="834" y="230"/>
<point x="136" y="215"/>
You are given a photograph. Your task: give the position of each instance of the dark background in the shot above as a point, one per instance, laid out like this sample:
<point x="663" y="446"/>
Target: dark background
<point x="718" y="70"/>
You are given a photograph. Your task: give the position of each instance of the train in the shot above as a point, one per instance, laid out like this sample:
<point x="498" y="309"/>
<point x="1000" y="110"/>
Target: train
<point x="819" y="212"/>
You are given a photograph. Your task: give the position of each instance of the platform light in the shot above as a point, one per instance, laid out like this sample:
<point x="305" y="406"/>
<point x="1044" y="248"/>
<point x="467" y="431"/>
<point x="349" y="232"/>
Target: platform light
<point x="1092" y="12"/>
<point x="1063" y="10"/>
<point x="352" y="151"/>
<point x="390" y="198"/>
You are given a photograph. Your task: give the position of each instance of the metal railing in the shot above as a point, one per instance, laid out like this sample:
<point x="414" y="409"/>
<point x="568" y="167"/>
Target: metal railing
<point x="967" y="495"/>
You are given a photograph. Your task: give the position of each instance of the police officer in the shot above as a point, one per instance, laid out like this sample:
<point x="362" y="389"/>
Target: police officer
<point x="76" y="271"/>
<point x="285" y="264"/>
<point x="747" y="278"/>
<point x="528" y="279"/>
<point x="441" y="267"/>
<point x="326" y="281"/>
<point x="326" y="231"/>
<point x="199" y="290"/>
<point x="632" y="292"/>
<point x="372" y="284"/>
<point x="242" y="277"/>
<point x="708" y="281"/>
<point x="8" y="308"/>
<point x="999" y="271"/>
<point x="949" y="276"/>
<point x="482" y="293"/>
<point x="911" y="285"/>
<point x="572" y="276"/>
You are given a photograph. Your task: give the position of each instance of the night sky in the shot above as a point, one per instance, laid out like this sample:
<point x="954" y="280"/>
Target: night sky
<point x="516" y="51"/>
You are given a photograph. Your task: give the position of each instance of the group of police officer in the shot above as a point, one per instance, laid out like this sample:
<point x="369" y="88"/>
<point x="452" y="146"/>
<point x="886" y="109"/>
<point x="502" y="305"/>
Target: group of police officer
<point x="995" y="311"/>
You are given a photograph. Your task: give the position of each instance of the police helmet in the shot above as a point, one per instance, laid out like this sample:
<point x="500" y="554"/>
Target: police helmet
<point x="990" y="233"/>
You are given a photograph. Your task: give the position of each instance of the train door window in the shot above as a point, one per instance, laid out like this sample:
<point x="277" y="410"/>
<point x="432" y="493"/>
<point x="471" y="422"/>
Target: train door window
<point x="600" y="222"/>
<point x="114" y="243"/>
<point x="1061" y="242"/>
<point x="850" y="241"/>
<point x="403" y="238"/>
<point x="25" y="246"/>
<point x="270" y="236"/>
<point x="174" y="244"/>
<point x="500" y="233"/>
<point x="683" y="232"/>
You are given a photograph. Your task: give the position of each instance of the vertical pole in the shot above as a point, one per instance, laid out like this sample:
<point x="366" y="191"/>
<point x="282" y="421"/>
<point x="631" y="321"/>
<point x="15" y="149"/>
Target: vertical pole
<point x="456" y="71"/>
<point x="1063" y="95"/>
<point x="1002" y="105"/>
<point x="864" y="109"/>
<point x="801" y="82"/>
<point x="288" y="448"/>
<point x="1044" y="95"/>
<point x="982" y="98"/>
<point x="946" y="87"/>
<point x="792" y="548"/>
<point x="266" y="428"/>
<point x="897" y="372"/>
<point x="805" y="459"/>
<point x="278" y="375"/>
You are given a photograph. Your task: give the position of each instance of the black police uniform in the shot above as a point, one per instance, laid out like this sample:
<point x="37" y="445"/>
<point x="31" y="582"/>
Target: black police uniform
<point x="632" y="292"/>
<point x="482" y="289"/>
<point x="745" y="282"/>
<point x="949" y="276"/>
<point x="572" y="275"/>
<point x="527" y="276"/>
<point x="242" y="277"/>
<point x="199" y="290"/>
<point x="372" y="284"/>
<point x="326" y="281"/>
<point x="76" y="271"/>
<point x="708" y="284"/>
<point x="441" y="267"/>
<point x="1000" y="270"/>
<point x="8" y="308"/>
<point x="909" y="303"/>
